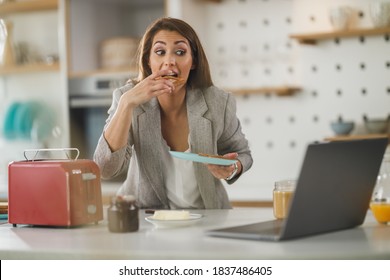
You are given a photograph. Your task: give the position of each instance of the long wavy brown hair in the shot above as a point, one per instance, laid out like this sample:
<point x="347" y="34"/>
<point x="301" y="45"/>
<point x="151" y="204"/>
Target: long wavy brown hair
<point x="200" y="76"/>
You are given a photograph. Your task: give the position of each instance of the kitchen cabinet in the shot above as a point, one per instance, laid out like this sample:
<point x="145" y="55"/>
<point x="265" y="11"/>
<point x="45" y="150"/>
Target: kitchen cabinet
<point x="13" y="8"/>
<point x="38" y="26"/>
<point x="92" y="22"/>
<point x="312" y="38"/>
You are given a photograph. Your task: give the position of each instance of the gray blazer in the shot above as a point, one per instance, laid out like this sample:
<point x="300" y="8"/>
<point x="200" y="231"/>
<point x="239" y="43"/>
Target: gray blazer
<point x="214" y="129"/>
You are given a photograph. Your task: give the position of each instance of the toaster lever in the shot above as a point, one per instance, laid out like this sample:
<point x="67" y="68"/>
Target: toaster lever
<point x="38" y="151"/>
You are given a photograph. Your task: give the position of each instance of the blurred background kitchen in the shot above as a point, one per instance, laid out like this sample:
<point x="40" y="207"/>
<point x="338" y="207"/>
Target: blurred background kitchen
<point x="296" y="67"/>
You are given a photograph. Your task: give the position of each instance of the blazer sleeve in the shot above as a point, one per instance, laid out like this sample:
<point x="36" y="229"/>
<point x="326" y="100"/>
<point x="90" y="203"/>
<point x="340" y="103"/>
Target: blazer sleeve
<point x="233" y="139"/>
<point x="112" y="164"/>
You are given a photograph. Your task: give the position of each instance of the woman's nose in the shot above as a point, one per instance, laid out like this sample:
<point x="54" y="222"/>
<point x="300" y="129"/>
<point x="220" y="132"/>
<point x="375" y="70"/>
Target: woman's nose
<point x="169" y="60"/>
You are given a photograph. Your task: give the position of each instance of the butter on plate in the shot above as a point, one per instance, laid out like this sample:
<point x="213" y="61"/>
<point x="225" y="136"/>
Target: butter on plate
<point x="171" y="215"/>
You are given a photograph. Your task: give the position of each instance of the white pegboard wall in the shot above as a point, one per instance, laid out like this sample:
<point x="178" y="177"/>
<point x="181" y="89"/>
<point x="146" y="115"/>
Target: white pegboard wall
<point x="248" y="45"/>
<point x="241" y="48"/>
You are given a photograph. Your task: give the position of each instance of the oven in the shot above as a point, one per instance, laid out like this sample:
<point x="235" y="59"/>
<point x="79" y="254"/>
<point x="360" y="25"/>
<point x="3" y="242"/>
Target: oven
<point x="89" y="98"/>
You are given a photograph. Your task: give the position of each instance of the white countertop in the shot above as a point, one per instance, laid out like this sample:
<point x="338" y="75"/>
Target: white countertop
<point x="370" y="241"/>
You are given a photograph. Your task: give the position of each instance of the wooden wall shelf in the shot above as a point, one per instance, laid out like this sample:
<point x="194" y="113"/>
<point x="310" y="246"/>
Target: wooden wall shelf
<point x="356" y="137"/>
<point x="280" y="91"/>
<point x="27" y="6"/>
<point x="312" y="38"/>
<point x="98" y="72"/>
<point x="29" y="68"/>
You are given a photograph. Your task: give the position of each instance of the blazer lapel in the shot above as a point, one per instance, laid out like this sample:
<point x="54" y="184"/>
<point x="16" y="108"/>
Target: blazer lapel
<point x="149" y="120"/>
<point x="201" y="142"/>
<point x="150" y="147"/>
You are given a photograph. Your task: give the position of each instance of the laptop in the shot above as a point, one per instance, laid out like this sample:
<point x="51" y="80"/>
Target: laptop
<point x="333" y="192"/>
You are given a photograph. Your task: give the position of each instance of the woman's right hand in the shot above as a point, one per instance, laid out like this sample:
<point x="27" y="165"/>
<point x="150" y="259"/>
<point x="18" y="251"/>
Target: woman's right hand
<point x="117" y="131"/>
<point x="148" y="88"/>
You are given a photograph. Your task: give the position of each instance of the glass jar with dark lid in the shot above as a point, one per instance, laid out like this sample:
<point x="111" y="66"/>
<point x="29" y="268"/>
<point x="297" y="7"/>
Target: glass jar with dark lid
<point x="123" y="214"/>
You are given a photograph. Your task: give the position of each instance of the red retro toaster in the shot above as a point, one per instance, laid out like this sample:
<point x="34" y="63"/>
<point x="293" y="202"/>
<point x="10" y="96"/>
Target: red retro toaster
<point x="54" y="192"/>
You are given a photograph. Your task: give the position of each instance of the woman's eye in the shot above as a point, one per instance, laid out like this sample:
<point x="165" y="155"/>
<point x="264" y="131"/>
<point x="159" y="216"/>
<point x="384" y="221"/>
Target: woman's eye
<point x="180" y="52"/>
<point x="160" y="52"/>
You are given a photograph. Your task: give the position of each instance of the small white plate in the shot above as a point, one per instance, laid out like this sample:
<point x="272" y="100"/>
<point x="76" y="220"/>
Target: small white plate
<point x="174" y="223"/>
<point x="203" y="159"/>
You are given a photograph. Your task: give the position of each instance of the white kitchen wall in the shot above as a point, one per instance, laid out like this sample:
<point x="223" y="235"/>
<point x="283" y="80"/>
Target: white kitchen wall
<point x="248" y="45"/>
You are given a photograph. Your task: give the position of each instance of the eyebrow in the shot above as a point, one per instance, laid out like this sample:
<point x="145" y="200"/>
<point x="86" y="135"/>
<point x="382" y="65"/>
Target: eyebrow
<point x="176" y="42"/>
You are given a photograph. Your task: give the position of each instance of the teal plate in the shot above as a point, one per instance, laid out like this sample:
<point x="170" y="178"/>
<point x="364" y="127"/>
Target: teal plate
<point x="9" y="121"/>
<point x="203" y="159"/>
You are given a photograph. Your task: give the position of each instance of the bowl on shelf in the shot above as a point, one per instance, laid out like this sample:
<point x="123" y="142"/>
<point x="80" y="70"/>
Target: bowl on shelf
<point x="376" y="125"/>
<point x="380" y="13"/>
<point x="340" y="17"/>
<point x="341" y="127"/>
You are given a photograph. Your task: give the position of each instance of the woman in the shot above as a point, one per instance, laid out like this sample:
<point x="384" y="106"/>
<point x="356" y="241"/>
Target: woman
<point x="172" y="105"/>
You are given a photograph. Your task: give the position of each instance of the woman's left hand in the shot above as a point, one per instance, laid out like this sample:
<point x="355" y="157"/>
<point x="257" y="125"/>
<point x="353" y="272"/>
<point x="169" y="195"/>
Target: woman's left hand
<point x="224" y="171"/>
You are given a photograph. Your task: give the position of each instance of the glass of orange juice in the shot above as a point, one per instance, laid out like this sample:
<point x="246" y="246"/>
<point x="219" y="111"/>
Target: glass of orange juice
<point x="381" y="211"/>
<point x="282" y="194"/>
<point x="380" y="203"/>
